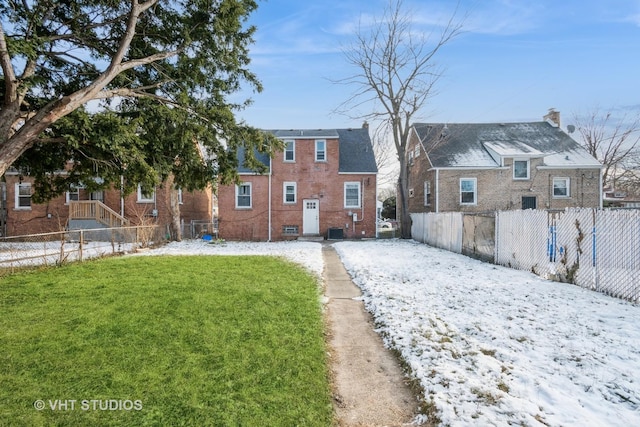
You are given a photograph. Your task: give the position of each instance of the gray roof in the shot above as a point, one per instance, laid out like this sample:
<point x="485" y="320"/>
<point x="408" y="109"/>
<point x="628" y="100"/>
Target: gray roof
<point x="305" y="133"/>
<point x="356" y="151"/>
<point x="261" y="157"/>
<point x="482" y="145"/>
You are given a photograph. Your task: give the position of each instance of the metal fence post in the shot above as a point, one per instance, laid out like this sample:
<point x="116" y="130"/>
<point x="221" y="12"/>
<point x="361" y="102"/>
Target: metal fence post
<point x="81" y="243"/>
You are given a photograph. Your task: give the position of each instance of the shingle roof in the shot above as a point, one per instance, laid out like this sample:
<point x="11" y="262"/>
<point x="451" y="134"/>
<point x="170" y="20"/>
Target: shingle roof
<point x="261" y="157"/>
<point x="305" y="133"/>
<point x="356" y="151"/>
<point x="482" y="144"/>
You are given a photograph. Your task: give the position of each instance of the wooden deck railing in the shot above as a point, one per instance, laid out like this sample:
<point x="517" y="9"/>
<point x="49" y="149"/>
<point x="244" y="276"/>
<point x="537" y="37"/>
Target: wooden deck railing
<point x="97" y="211"/>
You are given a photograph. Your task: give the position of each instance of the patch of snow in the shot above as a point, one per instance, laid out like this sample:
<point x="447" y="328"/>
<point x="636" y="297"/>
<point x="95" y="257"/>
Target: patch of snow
<point x="496" y="346"/>
<point x="308" y="254"/>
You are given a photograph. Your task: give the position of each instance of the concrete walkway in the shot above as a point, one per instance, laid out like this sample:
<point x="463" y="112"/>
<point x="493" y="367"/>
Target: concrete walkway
<point x="369" y="387"/>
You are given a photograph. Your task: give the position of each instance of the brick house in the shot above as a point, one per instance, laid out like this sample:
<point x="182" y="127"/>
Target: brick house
<point x="79" y="208"/>
<point x="481" y="167"/>
<point x="322" y="184"/>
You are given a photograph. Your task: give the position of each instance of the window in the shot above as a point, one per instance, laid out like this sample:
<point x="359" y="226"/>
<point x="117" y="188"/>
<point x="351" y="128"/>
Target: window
<point x="243" y="195"/>
<point x="521" y="169"/>
<point x="427" y="193"/>
<point x="290" y="230"/>
<point x="180" y="201"/>
<point x="468" y="191"/>
<point x="23" y="195"/>
<point x="73" y="194"/>
<point x="529" y="202"/>
<point x="561" y="187"/>
<point x="145" y="196"/>
<point x="290" y="151"/>
<point x="321" y="147"/>
<point x="97" y="195"/>
<point x="289" y="195"/>
<point x="416" y="151"/>
<point x="351" y="194"/>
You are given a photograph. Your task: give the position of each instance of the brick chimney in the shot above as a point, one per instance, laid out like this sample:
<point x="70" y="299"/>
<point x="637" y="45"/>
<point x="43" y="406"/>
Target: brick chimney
<point x="553" y="116"/>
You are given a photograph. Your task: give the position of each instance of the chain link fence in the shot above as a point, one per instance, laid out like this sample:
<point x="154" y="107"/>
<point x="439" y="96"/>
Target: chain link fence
<point x="196" y="229"/>
<point x="595" y="249"/>
<point x="74" y="245"/>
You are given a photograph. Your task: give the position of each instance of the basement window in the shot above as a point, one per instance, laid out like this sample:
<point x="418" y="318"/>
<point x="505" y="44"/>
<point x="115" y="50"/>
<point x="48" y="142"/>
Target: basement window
<point x="290" y="230"/>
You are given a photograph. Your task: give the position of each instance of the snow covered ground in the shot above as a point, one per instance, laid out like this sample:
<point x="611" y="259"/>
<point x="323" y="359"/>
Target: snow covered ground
<point x="24" y="254"/>
<point x="490" y="345"/>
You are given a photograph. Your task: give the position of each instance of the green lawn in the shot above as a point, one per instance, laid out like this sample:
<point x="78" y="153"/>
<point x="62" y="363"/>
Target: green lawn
<point x="220" y="341"/>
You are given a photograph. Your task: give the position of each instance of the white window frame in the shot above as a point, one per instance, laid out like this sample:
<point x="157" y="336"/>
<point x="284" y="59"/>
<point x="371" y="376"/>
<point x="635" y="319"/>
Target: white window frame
<point x="284" y="193"/>
<point x="416" y="151"/>
<point x="146" y="198"/>
<point x="475" y="191"/>
<point x="180" y="200"/>
<point x="321" y="155"/>
<point x="97" y="195"/>
<point x="250" y="195"/>
<point x="291" y="150"/>
<point x="567" y="182"/>
<point x="427" y="193"/>
<point x="18" y="196"/>
<point x="520" y="178"/>
<point x="350" y="185"/>
<point x="73" y="190"/>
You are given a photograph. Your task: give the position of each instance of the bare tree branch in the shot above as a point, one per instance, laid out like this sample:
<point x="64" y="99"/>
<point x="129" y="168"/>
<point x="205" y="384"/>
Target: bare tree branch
<point x="396" y="71"/>
<point x="614" y="142"/>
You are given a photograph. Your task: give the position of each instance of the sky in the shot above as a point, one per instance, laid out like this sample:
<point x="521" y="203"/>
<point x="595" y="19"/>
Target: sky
<point x="514" y="61"/>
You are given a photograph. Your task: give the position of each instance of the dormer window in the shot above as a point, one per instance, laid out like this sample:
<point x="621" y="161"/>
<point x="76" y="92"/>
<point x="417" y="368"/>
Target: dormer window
<point x="520" y="169"/>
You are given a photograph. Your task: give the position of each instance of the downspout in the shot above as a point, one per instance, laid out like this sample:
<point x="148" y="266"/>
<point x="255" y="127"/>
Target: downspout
<point x="375" y="224"/>
<point x="269" y="214"/>
<point x="362" y="197"/>
<point x="437" y="190"/>
<point x="600" y="187"/>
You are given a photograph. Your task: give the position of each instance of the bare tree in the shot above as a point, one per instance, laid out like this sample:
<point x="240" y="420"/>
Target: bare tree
<point x="397" y="74"/>
<point x="385" y="158"/>
<point x="613" y="141"/>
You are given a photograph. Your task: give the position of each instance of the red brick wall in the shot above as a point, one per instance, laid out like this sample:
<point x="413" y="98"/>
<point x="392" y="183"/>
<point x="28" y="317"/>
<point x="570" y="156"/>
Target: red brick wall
<point x="53" y="215"/>
<point x="314" y="180"/>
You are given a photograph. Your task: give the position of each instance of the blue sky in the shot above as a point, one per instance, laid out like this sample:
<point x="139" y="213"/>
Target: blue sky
<point x="514" y="61"/>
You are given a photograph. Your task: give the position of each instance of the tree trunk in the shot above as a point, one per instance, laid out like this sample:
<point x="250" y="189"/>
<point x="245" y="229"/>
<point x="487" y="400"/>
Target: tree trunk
<point x="403" y="193"/>
<point x="174" y="208"/>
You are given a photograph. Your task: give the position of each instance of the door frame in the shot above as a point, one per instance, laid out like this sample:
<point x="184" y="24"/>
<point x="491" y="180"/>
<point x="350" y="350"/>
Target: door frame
<point x="310" y="225"/>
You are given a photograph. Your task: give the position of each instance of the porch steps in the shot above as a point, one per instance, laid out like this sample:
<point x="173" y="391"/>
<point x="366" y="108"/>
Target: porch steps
<point x="94" y="211"/>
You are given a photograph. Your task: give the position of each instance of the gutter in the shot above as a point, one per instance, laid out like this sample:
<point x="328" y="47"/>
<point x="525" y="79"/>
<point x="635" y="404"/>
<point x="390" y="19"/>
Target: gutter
<point x="269" y="214"/>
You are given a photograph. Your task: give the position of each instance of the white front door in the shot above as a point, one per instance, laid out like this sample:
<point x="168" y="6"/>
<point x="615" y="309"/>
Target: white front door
<point x="311" y="216"/>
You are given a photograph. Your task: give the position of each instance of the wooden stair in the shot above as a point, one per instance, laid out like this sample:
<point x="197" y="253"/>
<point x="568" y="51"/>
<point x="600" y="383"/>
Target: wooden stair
<point x="96" y="211"/>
